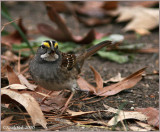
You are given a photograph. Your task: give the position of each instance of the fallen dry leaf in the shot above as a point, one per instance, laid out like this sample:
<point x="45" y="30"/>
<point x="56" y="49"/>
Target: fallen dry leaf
<point x="146" y="126"/>
<point x="5" y="123"/>
<point x="12" y="77"/>
<point x="56" y="100"/>
<point x="137" y="129"/>
<point x="92" y="9"/>
<point x="96" y="12"/>
<point x="94" y="21"/>
<point x="60" y="6"/>
<point x="15" y="86"/>
<point x="25" y="82"/>
<point x="29" y="104"/>
<point x="117" y="78"/>
<point x="152" y="115"/>
<point x="85" y="86"/>
<point x="63" y="34"/>
<point x="14" y="37"/>
<point x="18" y="79"/>
<point x="73" y="113"/>
<point x="96" y="9"/>
<point x="98" y="79"/>
<point x="142" y="19"/>
<point x="126" y="83"/>
<point x="123" y="115"/>
<point x="99" y="90"/>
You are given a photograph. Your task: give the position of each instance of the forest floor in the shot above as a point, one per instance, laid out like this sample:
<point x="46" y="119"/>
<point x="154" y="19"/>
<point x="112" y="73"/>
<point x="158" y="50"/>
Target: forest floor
<point x="144" y="94"/>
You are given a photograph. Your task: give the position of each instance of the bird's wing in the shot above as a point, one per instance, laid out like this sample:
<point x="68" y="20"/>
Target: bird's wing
<point x="68" y="60"/>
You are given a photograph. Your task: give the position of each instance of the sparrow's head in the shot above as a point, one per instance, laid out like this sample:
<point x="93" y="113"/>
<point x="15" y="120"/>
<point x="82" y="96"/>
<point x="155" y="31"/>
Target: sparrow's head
<point x="50" y="45"/>
<point x="48" y="50"/>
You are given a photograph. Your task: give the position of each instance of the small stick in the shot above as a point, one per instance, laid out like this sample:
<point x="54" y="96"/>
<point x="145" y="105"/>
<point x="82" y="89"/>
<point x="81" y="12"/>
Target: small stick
<point x="8" y="24"/>
<point x="50" y="92"/>
<point x="19" y="64"/>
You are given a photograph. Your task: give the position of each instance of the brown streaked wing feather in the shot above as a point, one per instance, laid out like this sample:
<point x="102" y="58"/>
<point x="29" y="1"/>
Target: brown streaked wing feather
<point x="68" y="60"/>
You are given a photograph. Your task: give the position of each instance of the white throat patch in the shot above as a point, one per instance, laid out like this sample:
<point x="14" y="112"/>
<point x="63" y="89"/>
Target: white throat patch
<point x="48" y="57"/>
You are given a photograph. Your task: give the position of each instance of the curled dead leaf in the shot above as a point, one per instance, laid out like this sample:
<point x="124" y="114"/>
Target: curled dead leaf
<point x="117" y="78"/>
<point x="84" y="85"/>
<point x="60" y="6"/>
<point x="25" y="82"/>
<point x="63" y="34"/>
<point x="126" y="83"/>
<point x="12" y="77"/>
<point x="15" y="86"/>
<point x="29" y="104"/>
<point x="99" y="90"/>
<point x="123" y="115"/>
<point x="142" y="19"/>
<point x="146" y="126"/>
<point x="152" y="114"/>
<point x="98" y="79"/>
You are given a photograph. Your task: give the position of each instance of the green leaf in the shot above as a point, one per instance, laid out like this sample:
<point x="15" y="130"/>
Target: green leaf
<point x="4" y="32"/>
<point x="67" y="46"/>
<point x="26" y="53"/>
<point x="114" y="56"/>
<point x="23" y="45"/>
<point x="4" y="8"/>
<point x="6" y="15"/>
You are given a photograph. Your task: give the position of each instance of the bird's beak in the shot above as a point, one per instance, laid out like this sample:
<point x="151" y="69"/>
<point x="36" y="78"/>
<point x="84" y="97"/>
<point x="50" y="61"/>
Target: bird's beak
<point x="50" y="51"/>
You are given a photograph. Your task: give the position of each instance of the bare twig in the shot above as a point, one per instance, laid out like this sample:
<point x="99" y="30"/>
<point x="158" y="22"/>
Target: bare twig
<point x="49" y="93"/>
<point x="8" y="24"/>
<point x="19" y="64"/>
<point x="25" y="70"/>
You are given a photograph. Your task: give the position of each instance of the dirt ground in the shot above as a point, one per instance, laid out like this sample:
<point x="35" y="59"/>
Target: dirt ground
<point x="144" y="94"/>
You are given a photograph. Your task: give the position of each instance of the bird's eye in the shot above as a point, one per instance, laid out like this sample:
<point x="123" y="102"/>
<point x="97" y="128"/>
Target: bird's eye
<point x="42" y="46"/>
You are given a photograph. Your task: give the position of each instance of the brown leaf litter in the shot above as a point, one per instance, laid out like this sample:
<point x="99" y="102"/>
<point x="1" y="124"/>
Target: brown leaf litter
<point x="141" y="19"/>
<point x="62" y="33"/>
<point x="5" y="123"/>
<point x="99" y="90"/>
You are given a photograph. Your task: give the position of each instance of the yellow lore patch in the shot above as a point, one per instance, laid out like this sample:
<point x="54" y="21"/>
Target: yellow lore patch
<point x="55" y="45"/>
<point x="46" y="44"/>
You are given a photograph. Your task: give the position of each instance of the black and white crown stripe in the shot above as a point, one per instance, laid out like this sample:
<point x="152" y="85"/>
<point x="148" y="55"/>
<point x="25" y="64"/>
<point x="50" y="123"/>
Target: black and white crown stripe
<point x="51" y="44"/>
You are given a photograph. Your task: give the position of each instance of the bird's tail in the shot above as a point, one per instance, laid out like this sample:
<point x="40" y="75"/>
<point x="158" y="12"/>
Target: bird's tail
<point x="92" y="50"/>
<point x="97" y="47"/>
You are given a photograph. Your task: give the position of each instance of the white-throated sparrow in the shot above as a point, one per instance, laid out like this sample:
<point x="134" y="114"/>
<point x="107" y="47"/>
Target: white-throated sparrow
<point x="55" y="70"/>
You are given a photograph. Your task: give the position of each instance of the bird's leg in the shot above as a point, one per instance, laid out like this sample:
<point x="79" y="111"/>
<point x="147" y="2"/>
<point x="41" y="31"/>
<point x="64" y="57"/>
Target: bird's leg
<point x="50" y="92"/>
<point x="73" y="90"/>
<point x="66" y="104"/>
